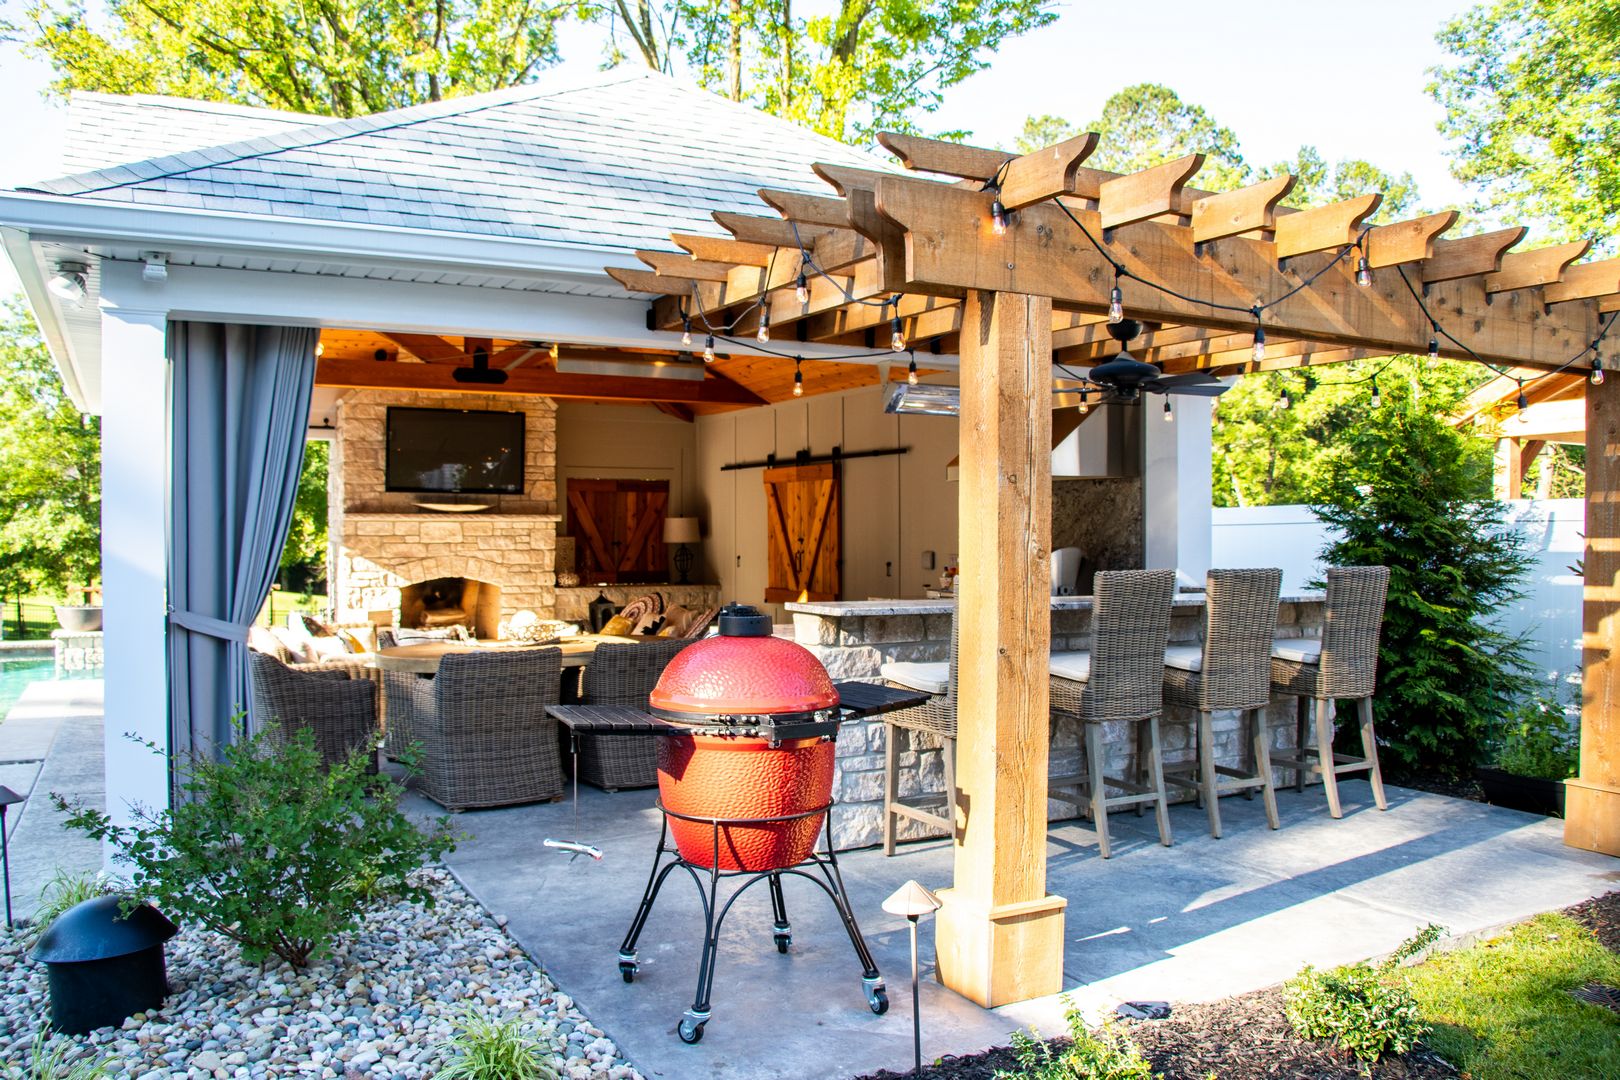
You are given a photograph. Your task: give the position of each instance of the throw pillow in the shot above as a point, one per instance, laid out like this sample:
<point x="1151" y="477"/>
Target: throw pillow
<point x="648" y="624"/>
<point x="700" y="621"/>
<point x="676" y="617"/>
<point x="322" y="649"/>
<point x="641" y="605"/>
<point x="405" y="636"/>
<point x="353" y="641"/>
<point x="262" y="640"/>
<point x="294" y="644"/>
<point x="618" y="626"/>
<point x="312" y="626"/>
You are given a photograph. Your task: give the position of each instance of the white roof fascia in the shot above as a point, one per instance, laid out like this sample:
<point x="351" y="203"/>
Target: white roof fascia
<point x="81" y="220"/>
<point x="22" y="257"/>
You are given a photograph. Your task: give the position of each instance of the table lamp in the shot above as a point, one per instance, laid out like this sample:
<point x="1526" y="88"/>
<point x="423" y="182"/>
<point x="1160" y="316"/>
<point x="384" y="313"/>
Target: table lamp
<point x="682" y="531"/>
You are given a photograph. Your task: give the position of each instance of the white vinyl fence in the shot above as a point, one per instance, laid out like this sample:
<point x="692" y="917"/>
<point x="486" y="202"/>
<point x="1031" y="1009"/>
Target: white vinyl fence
<point x="1292" y="538"/>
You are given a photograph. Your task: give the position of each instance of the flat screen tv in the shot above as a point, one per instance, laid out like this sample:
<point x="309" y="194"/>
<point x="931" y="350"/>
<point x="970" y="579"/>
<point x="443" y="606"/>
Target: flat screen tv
<point x="455" y="450"/>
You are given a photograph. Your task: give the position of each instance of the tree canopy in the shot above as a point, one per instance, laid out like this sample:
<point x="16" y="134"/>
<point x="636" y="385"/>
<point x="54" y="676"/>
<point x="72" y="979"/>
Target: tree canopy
<point x="50" y="470"/>
<point x="1532" y="107"/>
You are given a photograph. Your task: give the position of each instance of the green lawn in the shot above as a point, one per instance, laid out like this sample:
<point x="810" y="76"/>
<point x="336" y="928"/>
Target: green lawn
<point x="1501" y="1008"/>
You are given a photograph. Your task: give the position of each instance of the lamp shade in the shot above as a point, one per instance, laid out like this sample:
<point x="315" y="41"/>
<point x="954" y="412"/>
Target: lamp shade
<point x="681" y="530"/>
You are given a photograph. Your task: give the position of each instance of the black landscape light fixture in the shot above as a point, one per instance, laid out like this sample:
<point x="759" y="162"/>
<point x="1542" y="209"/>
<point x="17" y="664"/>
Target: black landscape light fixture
<point x="7" y="798"/>
<point x="913" y="901"/>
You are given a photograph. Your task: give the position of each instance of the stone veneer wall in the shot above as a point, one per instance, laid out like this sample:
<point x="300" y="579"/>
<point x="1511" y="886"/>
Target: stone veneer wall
<point x="1103" y="518"/>
<point x="385" y="541"/>
<point x="856" y="647"/>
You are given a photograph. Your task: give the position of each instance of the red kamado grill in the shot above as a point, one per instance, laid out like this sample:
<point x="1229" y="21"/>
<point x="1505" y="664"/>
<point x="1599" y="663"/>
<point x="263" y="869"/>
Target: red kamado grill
<point x="745" y="785"/>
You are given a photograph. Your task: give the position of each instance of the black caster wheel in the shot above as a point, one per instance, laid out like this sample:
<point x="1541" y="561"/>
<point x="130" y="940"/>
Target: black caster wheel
<point x="783" y="941"/>
<point x="878" y="1001"/>
<point x="627" y="971"/>
<point x="690" y="1030"/>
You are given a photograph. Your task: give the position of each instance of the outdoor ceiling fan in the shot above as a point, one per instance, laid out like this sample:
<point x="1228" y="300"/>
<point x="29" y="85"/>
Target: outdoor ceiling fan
<point x="1125" y="378"/>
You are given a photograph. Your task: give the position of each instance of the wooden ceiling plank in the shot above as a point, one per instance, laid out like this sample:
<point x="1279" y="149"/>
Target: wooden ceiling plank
<point x="1467" y="256"/>
<point x="1527" y="269"/>
<point x="1324" y="227"/>
<point x="1407" y="241"/>
<point x="532" y="381"/>
<point x="676" y="409"/>
<point x="1232" y="213"/>
<point x="1046" y="173"/>
<point x="723" y="249"/>
<point x="674" y="264"/>
<point x="807" y="209"/>
<point x="1139" y="196"/>
<point x="429" y="348"/>
<point x="1584" y="281"/>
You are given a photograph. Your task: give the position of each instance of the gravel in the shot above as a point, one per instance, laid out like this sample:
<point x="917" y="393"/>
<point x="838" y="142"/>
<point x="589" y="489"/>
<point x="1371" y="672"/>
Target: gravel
<point x="383" y="1003"/>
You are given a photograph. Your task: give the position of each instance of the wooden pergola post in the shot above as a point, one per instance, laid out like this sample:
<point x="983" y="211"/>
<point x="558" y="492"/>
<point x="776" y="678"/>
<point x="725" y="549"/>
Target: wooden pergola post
<point x="1592" y="802"/>
<point x="1000" y="934"/>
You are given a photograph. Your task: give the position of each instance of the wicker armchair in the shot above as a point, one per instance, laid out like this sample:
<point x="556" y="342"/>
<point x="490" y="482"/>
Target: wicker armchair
<point x="1231" y="671"/>
<point x="623" y="674"/>
<point x="341" y="711"/>
<point x="1121" y="678"/>
<point x="934" y="718"/>
<point x="1341" y="665"/>
<point x="481" y="725"/>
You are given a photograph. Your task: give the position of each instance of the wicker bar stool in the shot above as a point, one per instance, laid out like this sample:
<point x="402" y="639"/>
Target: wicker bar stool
<point x="1121" y="678"/>
<point x="1341" y="665"/>
<point x="622" y="673"/>
<point x="935" y="717"/>
<point x="1231" y="671"/>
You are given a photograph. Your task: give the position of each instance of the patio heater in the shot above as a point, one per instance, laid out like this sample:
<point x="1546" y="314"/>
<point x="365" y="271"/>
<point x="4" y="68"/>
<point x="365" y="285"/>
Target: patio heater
<point x="7" y="798"/>
<point x="682" y="531"/>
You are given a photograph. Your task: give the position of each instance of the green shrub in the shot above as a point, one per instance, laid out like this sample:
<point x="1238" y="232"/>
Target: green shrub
<point x="490" y="1049"/>
<point x="270" y="848"/>
<point x="1405" y="490"/>
<point x="1538" y="738"/>
<point x="1107" y="1054"/>
<point x="1365" y="1009"/>
<point x="49" y="1059"/>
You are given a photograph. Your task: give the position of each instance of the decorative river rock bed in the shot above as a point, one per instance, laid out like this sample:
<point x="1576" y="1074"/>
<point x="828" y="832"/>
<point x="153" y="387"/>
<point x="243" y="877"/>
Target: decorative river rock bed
<point x="384" y="1003"/>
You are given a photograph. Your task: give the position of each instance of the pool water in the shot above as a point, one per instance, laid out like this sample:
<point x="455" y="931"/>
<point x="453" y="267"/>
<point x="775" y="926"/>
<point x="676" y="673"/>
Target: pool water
<point x="16" y="675"/>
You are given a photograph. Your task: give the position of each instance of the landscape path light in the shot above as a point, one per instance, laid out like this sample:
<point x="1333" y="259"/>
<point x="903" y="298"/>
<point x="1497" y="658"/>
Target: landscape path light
<point x="7" y="798"/>
<point x="913" y="901"/>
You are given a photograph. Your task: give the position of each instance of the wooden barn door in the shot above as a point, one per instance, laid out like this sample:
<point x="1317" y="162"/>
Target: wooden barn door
<point x="802" y="530"/>
<point x="618" y="529"/>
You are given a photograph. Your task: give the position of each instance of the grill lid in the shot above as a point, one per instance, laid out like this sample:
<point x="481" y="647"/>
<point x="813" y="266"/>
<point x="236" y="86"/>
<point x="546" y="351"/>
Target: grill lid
<point x="743" y="671"/>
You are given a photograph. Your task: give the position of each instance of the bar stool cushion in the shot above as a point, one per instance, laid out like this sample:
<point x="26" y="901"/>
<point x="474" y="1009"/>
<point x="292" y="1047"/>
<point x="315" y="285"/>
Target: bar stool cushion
<point x="1301" y="650"/>
<point x="930" y="678"/>
<point x="1074" y="666"/>
<point x="1184" y="657"/>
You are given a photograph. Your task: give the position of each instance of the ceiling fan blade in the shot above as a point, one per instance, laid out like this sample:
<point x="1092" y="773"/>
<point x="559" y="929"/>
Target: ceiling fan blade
<point x="1214" y="389"/>
<point x="1186" y="378"/>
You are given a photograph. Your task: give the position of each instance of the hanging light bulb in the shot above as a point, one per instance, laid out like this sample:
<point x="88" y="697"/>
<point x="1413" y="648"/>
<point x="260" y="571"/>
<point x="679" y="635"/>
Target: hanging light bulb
<point x="1259" y="343"/>
<point x="1168" y="415"/>
<point x="998" y="216"/>
<point x="1522" y="403"/>
<point x="897" y="335"/>
<point x="1363" y="271"/>
<point x="686" y="331"/>
<point x="320" y="349"/>
<point x="1377" y="399"/>
<point x="1285" y="402"/>
<point x="764" y="332"/>
<point x="801" y="289"/>
<point x="708" y="350"/>
<point x="798" y="379"/>
<point x="1434" y="348"/>
<point x="1116" y="305"/>
<point x="1597" y="371"/>
<point x="911" y="370"/>
<point x="1085" y="405"/>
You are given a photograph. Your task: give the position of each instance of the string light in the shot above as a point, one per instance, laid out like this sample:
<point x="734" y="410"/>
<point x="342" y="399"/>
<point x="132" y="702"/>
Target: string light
<point x="686" y="330"/>
<point x="1522" y="403"/>
<point x="708" y="350"/>
<point x="801" y="288"/>
<point x="1116" y="302"/>
<point x="1377" y="399"/>
<point x="1285" y="402"/>
<point x="1597" y="371"/>
<point x="1085" y="405"/>
<point x="1363" y="268"/>
<point x="764" y="331"/>
<point x="911" y="370"/>
<point x="798" y="379"/>
<point x="897" y="335"/>
<point x="998" y="216"/>
<point x="1434" y="345"/>
<point x="1259" y="339"/>
<point x="1168" y="415"/>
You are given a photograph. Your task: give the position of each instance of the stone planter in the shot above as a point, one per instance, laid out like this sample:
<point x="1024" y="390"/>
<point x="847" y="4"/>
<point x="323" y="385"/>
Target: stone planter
<point x="78" y="619"/>
<point x="1531" y="794"/>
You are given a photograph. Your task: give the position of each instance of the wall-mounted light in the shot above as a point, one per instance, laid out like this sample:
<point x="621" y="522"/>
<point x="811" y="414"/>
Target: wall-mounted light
<point x="156" y="270"/>
<point x="68" y="283"/>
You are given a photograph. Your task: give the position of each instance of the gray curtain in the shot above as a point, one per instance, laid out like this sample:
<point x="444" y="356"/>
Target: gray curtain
<point x="239" y="400"/>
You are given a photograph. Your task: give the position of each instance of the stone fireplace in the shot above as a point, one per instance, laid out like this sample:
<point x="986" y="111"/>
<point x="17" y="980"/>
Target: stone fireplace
<point x="394" y="555"/>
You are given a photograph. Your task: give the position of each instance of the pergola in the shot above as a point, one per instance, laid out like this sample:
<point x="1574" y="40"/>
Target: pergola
<point x="1014" y="263"/>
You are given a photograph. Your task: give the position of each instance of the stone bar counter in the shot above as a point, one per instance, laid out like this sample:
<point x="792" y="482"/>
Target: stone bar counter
<point x="855" y="638"/>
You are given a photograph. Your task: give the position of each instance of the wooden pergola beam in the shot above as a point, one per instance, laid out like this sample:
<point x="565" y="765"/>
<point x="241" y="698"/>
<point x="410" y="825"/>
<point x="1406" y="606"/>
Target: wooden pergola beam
<point x="1407" y="241"/>
<point x="1045" y="174"/>
<point x="768" y="231"/>
<point x="1583" y="281"/>
<point x="1126" y="200"/>
<point x="1322" y="228"/>
<point x="720" y="249"/>
<point x="674" y="264"/>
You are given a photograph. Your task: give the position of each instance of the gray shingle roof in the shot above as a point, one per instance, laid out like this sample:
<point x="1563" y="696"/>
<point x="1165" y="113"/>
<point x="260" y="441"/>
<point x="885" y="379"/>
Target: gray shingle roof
<point x="107" y="129"/>
<point x="613" y="160"/>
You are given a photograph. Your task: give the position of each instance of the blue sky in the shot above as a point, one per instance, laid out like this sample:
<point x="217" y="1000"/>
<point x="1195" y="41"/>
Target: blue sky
<point x="1346" y="78"/>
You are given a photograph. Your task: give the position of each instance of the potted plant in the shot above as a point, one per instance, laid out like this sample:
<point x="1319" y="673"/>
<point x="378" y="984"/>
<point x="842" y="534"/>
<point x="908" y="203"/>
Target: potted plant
<point x="1537" y="749"/>
<point x="83" y="617"/>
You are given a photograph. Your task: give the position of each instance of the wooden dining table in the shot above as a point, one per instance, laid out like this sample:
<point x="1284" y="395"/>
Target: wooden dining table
<point x="422" y="658"/>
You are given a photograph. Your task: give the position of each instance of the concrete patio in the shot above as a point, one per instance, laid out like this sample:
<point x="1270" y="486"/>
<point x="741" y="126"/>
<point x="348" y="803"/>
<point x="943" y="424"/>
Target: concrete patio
<point x="1202" y="920"/>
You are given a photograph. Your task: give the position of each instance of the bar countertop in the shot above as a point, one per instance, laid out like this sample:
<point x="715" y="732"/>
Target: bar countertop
<point x="864" y="608"/>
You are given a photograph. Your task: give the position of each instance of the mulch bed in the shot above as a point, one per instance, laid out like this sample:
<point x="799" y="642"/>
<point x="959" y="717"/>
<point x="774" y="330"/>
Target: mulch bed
<point x="1602" y="917"/>
<point x="1455" y="787"/>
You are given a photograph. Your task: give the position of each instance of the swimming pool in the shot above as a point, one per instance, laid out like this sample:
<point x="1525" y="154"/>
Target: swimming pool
<point x="16" y="675"/>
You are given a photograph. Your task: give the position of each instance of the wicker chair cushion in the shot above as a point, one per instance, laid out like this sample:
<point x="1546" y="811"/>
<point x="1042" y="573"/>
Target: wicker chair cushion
<point x="1303" y="650"/>
<point x="930" y="678"/>
<point x="1074" y="666"/>
<point x="1184" y="657"/>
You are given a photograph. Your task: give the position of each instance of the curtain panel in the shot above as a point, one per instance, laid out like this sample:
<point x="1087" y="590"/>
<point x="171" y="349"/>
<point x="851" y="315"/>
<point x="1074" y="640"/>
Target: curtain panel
<point x="239" y="403"/>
